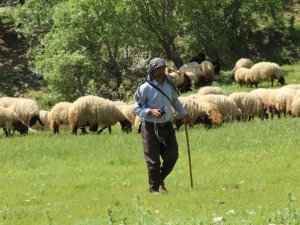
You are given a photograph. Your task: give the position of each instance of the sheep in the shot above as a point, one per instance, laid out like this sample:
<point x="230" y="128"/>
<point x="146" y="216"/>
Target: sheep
<point x="182" y="81"/>
<point x="26" y="109"/>
<point x="267" y="99"/>
<point x="193" y="71"/>
<point x="295" y="108"/>
<point x="59" y="116"/>
<point x="93" y="110"/>
<point x="10" y="120"/>
<point x="240" y="76"/>
<point x="200" y="111"/>
<point x="207" y="69"/>
<point x="249" y="105"/>
<point x="127" y="110"/>
<point x="241" y="63"/>
<point x="293" y="86"/>
<point x="44" y="116"/>
<point x="283" y="100"/>
<point x="266" y="70"/>
<point x="225" y="106"/>
<point x="211" y="90"/>
<point x="178" y="77"/>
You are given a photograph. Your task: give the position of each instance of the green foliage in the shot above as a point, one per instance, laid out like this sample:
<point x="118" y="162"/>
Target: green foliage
<point x="107" y="37"/>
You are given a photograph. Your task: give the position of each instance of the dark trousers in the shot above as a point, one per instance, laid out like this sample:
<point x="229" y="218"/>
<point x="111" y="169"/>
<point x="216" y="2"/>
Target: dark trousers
<point x="154" y="149"/>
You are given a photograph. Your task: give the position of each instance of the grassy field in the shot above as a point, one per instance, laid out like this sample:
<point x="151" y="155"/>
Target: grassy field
<point x="247" y="172"/>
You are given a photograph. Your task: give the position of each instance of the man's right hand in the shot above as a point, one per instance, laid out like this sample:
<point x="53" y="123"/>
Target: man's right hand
<point x="155" y="112"/>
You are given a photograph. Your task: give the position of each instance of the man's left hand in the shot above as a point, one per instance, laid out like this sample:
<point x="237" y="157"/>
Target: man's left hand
<point x="188" y="120"/>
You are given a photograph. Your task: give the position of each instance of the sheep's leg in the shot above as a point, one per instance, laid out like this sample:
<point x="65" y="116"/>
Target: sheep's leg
<point x="74" y="130"/>
<point x="100" y="131"/>
<point x="93" y="128"/>
<point x="109" y="129"/>
<point x="55" y="128"/>
<point x="83" y="130"/>
<point x="272" y="80"/>
<point x="5" y="132"/>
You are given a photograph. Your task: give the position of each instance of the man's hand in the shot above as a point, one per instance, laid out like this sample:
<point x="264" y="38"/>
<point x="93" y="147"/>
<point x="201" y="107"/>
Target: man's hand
<point x="188" y="120"/>
<point x="155" y="112"/>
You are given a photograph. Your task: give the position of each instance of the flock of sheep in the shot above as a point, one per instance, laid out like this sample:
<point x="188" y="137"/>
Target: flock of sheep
<point x="210" y="106"/>
<point x="88" y="111"/>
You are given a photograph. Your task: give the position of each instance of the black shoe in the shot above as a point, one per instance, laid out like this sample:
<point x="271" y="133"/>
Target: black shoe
<point x="163" y="189"/>
<point x="154" y="192"/>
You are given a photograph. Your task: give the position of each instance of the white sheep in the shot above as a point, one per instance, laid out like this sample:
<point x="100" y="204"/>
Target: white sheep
<point x="128" y="111"/>
<point x="295" y="108"/>
<point x="208" y="71"/>
<point x="240" y="76"/>
<point x="93" y="110"/>
<point x="284" y="99"/>
<point x="193" y="71"/>
<point x="211" y="90"/>
<point x="44" y="117"/>
<point x="225" y="106"/>
<point x="26" y="109"/>
<point x="200" y="111"/>
<point x="10" y="120"/>
<point x="241" y="63"/>
<point x="182" y="81"/>
<point x="267" y="99"/>
<point x="59" y="116"/>
<point x="249" y="105"/>
<point x="178" y="77"/>
<point x="267" y="70"/>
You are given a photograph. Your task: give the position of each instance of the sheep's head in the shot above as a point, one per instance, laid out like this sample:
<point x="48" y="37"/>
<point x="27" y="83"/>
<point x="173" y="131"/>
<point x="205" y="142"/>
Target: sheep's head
<point x="281" y="80"/>
<point x="34" y="116"/>
<point x="126" y="125"/>
<point x="20" y="126"/>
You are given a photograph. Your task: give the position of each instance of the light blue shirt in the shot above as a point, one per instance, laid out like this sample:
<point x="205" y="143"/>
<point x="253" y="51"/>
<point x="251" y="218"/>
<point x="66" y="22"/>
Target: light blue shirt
<point x="147" y="97"/>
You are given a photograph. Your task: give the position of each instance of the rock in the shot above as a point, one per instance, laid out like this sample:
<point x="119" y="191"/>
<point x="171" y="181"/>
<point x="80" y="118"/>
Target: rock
<point x="218" y="220"/>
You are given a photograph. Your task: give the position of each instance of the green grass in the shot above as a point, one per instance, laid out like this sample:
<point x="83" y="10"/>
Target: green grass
<point x="250" y="168"/>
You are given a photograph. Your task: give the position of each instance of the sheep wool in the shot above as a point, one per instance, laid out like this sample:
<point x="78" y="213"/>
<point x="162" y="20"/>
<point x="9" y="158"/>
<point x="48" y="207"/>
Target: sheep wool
<point x="283" y="100"/>
<point x="200" y="111"/>
<point x="93" y="110"/>
<point x="59" y="116"/>
<point x="225" y="106"/>
<point x="211" y="90"/>
<point x="267" y="70"/>
<point x="242" y="63"/>
<point x="44" y="116"/>
<point x="26" y="109"/>
<point x="207" y="68"/>
<point x="10" y="120"/>
<point x="295" y="108"/>
<point x="193" y="71"/>
<point x="178" y="77"/>
<point x="249" y="105"/>
<point x="128" y="111"/>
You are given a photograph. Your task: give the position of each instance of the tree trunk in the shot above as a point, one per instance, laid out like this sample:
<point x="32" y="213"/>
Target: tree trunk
<point x="79" y="84"/>
<point x="171" y="53"/>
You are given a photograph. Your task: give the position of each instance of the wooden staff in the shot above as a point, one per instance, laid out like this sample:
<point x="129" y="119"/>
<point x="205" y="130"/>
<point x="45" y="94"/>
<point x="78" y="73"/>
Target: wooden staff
<point x="189" y="154"/>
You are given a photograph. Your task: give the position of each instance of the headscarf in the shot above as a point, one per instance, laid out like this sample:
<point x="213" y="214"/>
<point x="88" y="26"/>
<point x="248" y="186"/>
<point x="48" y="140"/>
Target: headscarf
<point x="156" y="63"/>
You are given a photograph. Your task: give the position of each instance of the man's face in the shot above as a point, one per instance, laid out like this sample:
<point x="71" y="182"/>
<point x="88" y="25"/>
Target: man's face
<point x="159" y="72"/>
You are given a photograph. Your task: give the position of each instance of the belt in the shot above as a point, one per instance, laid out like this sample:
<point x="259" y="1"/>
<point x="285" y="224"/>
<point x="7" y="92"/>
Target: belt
<point x="160" y="125"/>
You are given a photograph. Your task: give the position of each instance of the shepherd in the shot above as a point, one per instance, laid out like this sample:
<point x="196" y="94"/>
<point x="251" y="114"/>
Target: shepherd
<point x="154" y="100"/>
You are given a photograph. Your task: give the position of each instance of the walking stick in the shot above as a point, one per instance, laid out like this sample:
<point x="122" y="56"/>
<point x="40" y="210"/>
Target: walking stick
<point x="189" y="154"/>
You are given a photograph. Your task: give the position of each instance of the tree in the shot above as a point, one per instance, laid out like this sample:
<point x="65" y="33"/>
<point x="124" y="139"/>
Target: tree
<point x="87" y="42"/>
<point x="161" y="24"/>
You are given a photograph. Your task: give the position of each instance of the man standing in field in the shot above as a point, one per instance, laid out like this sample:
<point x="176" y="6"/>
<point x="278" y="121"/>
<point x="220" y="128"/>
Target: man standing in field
<point x="154" y="100"/>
